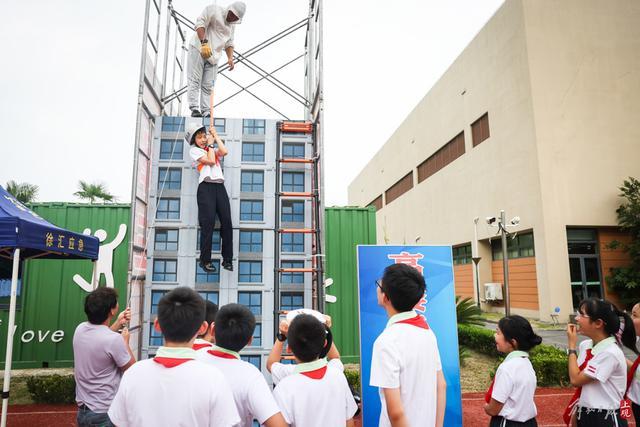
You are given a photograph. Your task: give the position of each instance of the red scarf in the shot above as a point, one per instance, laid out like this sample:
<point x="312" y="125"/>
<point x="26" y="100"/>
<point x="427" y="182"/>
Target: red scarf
<point x="170" y="362"/>
<point x="198" y="346"/>
<point x="576" y="396"/>
<point x="418" y="321"/>
<point x="201" y="165"/>
<point x="221" y="354"/>
<point x="625" y="404"/>
<point x="317" y="374"/>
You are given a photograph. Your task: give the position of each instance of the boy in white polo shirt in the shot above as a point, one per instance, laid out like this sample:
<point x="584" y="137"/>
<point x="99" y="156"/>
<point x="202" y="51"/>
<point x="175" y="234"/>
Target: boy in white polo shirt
<point x="317" y="394"/>
<point x="205" y="340"/>
<point x="170" y="390"/>
<point x="212" y="196"/>
<point x="405" y="364"/>
<point x="233" y="329"/>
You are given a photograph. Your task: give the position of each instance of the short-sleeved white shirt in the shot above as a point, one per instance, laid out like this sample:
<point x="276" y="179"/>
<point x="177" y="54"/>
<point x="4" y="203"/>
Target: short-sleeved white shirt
<point x="514" y="386"/>
<point x="407" y="357"/>
<point x="634" y="389"/>
<point x="190" y="394"/>
<point x="251" y="392"/>
<point x="309" y="402"/>
<point x="210" y="173"/>
<point x="609" y="367"/>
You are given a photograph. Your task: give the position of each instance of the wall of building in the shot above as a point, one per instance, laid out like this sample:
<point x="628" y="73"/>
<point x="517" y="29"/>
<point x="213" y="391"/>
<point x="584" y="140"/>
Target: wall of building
<point x="463" y="280"/>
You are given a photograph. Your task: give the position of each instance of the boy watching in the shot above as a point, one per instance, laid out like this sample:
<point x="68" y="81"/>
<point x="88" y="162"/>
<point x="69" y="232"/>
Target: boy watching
<point x="169" y="389"/>
<point x="234" y="328"/>
<point x="317" y="393"/>
<point x="406" y="363"/>
<point x="204" y="341"/>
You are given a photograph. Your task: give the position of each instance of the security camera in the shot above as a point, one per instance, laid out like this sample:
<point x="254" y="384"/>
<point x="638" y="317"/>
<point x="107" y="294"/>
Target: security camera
<point x="515" y="220"/>
<point x="491" y="220"/>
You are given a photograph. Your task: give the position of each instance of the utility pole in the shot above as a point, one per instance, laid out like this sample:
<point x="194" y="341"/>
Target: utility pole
<point x="475" y="257"/>
<point x="505" y="263"/>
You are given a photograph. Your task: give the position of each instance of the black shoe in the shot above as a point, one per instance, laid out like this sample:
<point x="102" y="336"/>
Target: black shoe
<point x="227" y="265"/>
<point x="196" y="113"/>
<point x="208" y="267"/>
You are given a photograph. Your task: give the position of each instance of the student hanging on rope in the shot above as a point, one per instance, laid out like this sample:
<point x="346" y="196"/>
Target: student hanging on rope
<point x="214" y="32"/>
<point x="212" y="195"/>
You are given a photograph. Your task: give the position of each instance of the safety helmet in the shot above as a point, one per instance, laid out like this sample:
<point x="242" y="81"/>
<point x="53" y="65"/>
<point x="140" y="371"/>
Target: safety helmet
<point x="192" y="129"/>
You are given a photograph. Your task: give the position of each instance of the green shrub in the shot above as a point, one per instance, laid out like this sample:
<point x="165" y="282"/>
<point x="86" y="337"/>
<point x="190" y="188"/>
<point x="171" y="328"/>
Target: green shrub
<point x="467" y="312"/>
<point x="52" y="388"/>
<point x="478" y="339"/>
<point x="353" y="378"/>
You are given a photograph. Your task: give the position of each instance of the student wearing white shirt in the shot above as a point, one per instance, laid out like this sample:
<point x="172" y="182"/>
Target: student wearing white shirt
<point x="317" y="393"/>
<point x="405" y="364"/>
<point x="598" y="368"/>
<point x="170" y="390"/>
<point x="234" y="326"/>
<point x="510" y="397"/>
<point x="212" y="196"/>
<point x="634" y="371"/>
<point x="205" y="341"/>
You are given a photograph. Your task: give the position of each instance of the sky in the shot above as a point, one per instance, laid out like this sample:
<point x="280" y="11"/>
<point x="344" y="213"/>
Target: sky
<point x="70" y="76"/>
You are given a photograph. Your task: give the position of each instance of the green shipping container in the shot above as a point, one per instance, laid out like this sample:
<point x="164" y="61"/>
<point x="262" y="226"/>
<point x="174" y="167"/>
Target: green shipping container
<point x="345" y="228"/>
<point x="51" y="299"/>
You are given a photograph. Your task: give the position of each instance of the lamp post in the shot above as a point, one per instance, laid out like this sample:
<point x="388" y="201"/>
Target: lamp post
<point x="502" y="229"/>
<point x="476" y="259"/>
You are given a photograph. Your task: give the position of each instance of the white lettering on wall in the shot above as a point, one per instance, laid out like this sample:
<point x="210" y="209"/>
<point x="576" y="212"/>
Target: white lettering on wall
<point x="29" y="335"/>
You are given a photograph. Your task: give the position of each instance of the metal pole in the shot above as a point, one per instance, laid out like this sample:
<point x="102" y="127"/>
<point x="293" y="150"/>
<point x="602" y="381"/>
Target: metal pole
<point x="10" y="332"/>
<point x="476" y="259"/>
<point x="505" y="263"/>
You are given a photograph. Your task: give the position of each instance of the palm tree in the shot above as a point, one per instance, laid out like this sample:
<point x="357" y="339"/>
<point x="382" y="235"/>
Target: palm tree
<point x="23" y="192"/>
<point x="94" y="191"/>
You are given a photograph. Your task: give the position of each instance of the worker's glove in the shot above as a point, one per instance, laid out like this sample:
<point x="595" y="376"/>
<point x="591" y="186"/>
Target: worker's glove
<point x="205" y="49"/>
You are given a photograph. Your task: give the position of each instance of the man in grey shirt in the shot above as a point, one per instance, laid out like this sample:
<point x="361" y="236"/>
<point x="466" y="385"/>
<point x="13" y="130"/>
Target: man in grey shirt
<point x="101" y="355"/>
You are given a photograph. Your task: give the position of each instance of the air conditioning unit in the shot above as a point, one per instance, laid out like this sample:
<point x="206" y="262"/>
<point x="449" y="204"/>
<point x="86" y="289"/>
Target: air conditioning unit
<point x="493" y="291"/>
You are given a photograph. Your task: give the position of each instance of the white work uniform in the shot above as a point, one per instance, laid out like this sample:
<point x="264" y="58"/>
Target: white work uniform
<point x="514" y="386"/>
<point x="251" y="392"/>
<point x="406" y="357"/>
<point x="190" y="393"/>
<point x="609" y="368"/>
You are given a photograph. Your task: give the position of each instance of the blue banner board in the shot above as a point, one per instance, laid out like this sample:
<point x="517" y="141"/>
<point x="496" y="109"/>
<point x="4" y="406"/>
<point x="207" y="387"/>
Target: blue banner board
<point x="435" y="263"/>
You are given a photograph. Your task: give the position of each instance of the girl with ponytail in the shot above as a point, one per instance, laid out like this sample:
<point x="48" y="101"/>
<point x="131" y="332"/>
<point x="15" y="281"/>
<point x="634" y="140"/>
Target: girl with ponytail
<point x="510" y="397"/>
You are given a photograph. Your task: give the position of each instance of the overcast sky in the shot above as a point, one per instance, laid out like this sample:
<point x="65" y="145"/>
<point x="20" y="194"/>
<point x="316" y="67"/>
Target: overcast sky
<point x="68" y="84"/>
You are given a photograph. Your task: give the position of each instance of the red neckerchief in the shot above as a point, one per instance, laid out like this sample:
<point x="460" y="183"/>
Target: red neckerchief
<point x="170" y="362"/>
<point x="625" y="403"/>
<point x="201" y="165"/>
<point x="221" y="354"/>
<point x="418" y="321"/>
<point x="318" y="374"/>
<point x="198" y="346"/>
<point x="576" y="396"/>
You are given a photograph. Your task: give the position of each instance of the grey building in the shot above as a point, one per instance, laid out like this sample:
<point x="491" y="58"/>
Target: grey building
<point x="250" y="170"/>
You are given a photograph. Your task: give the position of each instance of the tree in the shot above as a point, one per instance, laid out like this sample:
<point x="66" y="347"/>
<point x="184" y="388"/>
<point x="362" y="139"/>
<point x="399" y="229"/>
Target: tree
<point x="625" y="281"/>
<point x="94" y="191"/>
<point x="23" y="192"/>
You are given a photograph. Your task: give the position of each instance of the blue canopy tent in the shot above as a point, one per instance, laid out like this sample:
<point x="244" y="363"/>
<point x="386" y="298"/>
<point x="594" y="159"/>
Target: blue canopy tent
<point x="25" y="235"/>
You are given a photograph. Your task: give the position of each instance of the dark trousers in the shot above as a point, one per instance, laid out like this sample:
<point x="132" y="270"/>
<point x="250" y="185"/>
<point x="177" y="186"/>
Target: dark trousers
<point x="87" y="418"/>
<point x="498" y="421"/>
<point x="213" y="200"/>
<point x="636" y="412"/>
<point x="599" y="418"/>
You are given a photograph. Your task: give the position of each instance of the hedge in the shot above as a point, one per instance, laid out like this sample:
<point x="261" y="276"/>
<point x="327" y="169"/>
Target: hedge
<point x="550" y="363"/>
<point x="52" y="388"/>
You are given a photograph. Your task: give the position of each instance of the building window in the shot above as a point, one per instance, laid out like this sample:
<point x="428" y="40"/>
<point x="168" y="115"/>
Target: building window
<point x="292" y="242"/>
<point x="441" y="158"/>
<point x="215" y="240"/>
<point x="519" y="247"/>
<point x="166" y="240"/>
<point x="480" y="129"/>
<point x="292" y="150"/>
<point x="293" y="181"/>
<point x="164" y="270"/>
<point x="253" y="152"/>
<point x="252" y="181"/>
<point x="250" y="241"/>
<point x="219" y="124"/>
<point x="169" y="178"/>
<point x="155" y="337"/>
<point x="210" y="296"/>
<point x="252" y="300"/>
<point x="399" y="188"/>
<point x="462" y="255"/>
<point x="250" y="272"/>
<point x="291" y="278"/>
<point x="292" y="211"/>
<point x="291" y="301"/>
<point x="204" y="277"/>
<point x="253" y="359"/>
<point x="253" y="127"/>
<point x="251" y="210"/>
<point x="172" y="124"/>
<point x="171" y="149"/>
<point x="257" y="336"/>
<point x="168" y="209"/>
<point x="377" y="203"/>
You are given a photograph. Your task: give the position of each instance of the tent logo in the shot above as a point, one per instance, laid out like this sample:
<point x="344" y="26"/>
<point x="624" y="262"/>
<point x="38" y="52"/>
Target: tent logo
<point x="104" y="264"/>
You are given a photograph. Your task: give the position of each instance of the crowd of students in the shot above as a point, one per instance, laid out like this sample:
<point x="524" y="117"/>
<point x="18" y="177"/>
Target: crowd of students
<point x="198" y="378"/>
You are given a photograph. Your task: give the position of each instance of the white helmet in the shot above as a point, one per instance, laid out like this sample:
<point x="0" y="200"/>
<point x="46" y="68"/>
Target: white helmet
<point x="192" y="129"/>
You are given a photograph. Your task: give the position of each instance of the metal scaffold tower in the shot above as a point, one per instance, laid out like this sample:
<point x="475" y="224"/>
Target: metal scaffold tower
<point x="161" y="89"/>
